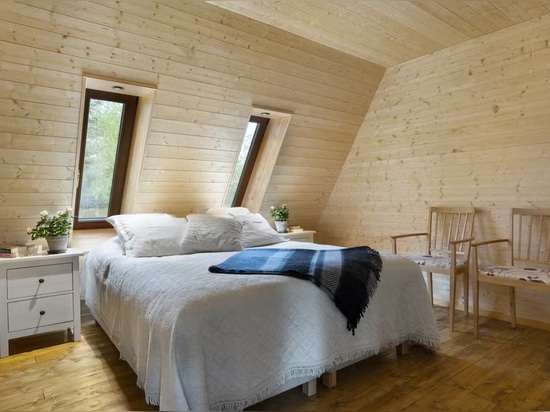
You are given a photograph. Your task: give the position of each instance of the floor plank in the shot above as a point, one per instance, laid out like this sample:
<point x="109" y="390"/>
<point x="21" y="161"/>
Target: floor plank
<point x="506" y="370"/>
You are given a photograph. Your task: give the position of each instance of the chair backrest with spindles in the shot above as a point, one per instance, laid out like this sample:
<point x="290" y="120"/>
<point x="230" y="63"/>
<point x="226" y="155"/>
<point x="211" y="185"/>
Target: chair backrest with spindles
<point x="447" y="224"/>
<point x="530" y="237"/>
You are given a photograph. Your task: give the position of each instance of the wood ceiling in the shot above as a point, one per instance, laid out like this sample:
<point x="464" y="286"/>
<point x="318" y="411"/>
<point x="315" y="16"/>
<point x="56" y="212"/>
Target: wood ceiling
<point x="388" y="32"/>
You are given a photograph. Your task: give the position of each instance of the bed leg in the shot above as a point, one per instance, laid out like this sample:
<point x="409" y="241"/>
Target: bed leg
<point x="329" y="379"/>
<point x="310" y="388"/>
<point x="403" y="348"/>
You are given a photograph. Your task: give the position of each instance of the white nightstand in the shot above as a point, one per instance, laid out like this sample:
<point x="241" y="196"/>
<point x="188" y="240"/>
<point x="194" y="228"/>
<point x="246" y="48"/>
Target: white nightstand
<point x="39" y="294"/>
<point x="305" y="236"/>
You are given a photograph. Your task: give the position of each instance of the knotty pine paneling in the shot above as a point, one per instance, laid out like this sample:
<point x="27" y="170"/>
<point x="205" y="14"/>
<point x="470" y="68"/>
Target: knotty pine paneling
<point x="468" y="125"/>
<point x="209" y="65"/>
<point x="389" y="32"/>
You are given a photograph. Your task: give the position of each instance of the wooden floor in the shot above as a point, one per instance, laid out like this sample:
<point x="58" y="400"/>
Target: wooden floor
<point x="507" y="370"/>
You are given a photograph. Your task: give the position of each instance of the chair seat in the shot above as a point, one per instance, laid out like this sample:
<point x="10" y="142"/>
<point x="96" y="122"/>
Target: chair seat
<point x="442" y="262"/>
<point x="528" y="274"/>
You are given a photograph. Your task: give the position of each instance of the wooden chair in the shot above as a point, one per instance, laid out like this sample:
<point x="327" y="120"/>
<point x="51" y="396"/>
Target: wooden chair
<point x="450" y="232"/>
<point x="528" y="255"/>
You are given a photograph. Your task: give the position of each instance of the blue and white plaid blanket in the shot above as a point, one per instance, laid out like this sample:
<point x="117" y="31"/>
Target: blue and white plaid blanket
<point x="349" y="275"/>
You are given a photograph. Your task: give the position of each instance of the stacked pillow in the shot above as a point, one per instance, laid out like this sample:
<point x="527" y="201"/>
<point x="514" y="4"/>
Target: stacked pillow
<point x="256" y="231"/>
<point x="208" y="233"/>
<point x="149" y="234"/>
<point x="218" y="230"/>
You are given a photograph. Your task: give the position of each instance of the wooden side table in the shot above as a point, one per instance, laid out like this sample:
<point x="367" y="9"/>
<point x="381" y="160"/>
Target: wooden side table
<point x="39" y="294"/>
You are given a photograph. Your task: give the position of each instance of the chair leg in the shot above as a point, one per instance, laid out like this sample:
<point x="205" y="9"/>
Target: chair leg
<point x="431" y="286"/>
<point x="466" y="280"/>
<point x="512" y="297"/>
<point x="452" y="301"/>
<point x="476" y="308"/>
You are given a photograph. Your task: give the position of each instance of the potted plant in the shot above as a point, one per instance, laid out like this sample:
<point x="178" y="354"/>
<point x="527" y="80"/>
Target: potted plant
<point x="54" y="228"/>
<point x="280" y="215"/>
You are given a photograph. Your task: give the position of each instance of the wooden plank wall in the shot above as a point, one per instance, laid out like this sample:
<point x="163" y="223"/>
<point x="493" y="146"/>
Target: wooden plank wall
<point x="210" y="66"/>
<point x="469" y="125"/>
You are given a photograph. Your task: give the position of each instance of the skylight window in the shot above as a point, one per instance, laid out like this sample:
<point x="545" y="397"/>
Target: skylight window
<point x="245" y="161"/>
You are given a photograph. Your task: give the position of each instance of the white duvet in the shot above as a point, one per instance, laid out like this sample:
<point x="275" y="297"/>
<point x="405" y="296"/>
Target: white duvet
<point x="204" y="341"/>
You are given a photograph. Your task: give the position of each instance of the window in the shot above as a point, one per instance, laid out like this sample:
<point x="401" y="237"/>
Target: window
<point x="107" y="131"/>
<point x="245" y="161"/>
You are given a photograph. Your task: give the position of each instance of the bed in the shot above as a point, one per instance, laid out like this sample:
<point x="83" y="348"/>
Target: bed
<point x="213" y="341"/>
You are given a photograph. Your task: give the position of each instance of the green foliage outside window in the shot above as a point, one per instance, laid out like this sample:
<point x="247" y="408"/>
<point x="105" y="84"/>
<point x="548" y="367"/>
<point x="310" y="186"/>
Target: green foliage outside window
<point x="104" y="122"/>
<point x="240" y="164"/>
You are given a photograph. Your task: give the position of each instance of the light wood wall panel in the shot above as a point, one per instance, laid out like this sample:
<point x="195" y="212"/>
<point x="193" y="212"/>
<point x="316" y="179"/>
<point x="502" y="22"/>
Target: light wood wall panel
<point x="210" y="67"/>
<point x="469" y="125"/>
<point x="389" y="32"/>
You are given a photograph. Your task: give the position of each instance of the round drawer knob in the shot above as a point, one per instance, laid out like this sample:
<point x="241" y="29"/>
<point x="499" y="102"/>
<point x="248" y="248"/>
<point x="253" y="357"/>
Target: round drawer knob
<point x="40" y="280"/>
<point x="42" y="312"/>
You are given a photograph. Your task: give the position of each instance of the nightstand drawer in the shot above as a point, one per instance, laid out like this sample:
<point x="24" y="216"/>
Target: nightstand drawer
<point x="300" y="237"/>
<point x="39" y="280"/>
<point x="33" y="313"/>
<point x="303" y="236"/>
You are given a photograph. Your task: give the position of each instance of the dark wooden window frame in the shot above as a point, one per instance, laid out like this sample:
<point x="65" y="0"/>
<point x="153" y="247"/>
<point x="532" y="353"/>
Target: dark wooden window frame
<point x="122" y="156"/>
<point x="251" y="158"/>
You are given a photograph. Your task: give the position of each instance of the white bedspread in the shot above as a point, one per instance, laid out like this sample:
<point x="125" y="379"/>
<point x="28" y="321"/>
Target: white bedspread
<point x="204" y="341"/>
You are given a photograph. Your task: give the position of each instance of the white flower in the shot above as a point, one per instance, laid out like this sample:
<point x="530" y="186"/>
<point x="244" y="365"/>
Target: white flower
<point x="69" y="209"/>
<point x="29" y="230"/>
<point x="60" y="212"/>
<point x="44" y="213"/>
<point x="272" y="207"/>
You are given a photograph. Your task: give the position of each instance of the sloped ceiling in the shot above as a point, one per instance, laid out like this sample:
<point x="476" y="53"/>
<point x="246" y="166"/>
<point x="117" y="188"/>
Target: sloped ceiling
<point x="388" y="32"/>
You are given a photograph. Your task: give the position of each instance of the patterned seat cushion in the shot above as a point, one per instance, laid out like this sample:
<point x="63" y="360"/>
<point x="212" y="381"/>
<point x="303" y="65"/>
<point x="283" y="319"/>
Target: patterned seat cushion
<point x="535" y="275"/>
<point x="443" y="262"/>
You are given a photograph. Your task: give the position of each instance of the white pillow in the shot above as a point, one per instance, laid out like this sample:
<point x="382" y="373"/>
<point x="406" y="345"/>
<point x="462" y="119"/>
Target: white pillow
<point x="257" y="231"/>
<point x="227" y="211"/>
<point x="149" y="234"/>
<point x="207" y="233"/>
